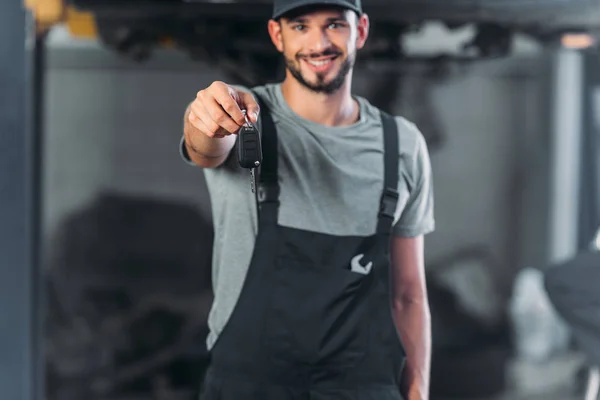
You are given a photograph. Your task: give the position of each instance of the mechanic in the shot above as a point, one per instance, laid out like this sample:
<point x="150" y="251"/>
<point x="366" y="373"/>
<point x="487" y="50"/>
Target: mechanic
<point x="319" y="285"/>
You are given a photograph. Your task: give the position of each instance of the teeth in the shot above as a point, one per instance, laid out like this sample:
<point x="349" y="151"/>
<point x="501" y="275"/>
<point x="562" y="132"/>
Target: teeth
<point x="319" y="63"/>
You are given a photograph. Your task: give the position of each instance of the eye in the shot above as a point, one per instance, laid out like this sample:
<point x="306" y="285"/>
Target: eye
<point x="298" y="27"/>
<point x="334" y="25"/>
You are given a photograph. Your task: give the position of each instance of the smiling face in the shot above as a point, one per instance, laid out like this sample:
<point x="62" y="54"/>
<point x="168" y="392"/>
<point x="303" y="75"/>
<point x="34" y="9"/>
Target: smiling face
<point x="320" y="45"/>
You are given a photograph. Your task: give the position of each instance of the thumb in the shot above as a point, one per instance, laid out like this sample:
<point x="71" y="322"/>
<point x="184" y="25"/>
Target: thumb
<point x="251" y="106"/>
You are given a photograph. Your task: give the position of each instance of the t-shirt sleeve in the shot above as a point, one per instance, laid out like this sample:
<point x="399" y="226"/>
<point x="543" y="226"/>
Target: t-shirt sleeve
<point x="417" y="216"/>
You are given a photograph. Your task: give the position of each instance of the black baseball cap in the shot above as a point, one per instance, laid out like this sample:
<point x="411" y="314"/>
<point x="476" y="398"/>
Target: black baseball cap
<point x="281" y="7"/>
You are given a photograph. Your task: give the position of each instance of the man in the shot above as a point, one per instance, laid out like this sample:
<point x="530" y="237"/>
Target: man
<point x="303" y="279"/>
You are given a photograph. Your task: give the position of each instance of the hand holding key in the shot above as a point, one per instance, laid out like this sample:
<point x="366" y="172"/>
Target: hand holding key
<point x="217" y="110"/>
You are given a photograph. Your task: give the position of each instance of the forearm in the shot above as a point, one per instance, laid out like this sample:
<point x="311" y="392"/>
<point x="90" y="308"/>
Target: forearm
<point x="413" y="322"/>
<point x="203" y="150"/>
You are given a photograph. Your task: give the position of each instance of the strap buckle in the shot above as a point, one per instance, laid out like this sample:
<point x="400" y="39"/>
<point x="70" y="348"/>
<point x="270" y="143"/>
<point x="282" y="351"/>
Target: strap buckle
<point x="268" y="192"/>
<point x="388" y="204"/>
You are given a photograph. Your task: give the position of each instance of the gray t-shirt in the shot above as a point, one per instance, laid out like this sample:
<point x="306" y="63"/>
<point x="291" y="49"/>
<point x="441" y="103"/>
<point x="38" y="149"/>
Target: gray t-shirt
<point x="331" y="181"/>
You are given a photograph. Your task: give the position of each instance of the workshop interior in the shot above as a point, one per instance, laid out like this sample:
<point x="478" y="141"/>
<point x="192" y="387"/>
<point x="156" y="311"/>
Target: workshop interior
<point x="106" y="234"/>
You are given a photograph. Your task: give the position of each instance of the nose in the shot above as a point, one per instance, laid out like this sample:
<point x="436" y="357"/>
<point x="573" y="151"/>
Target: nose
<point x="318" y="40"/>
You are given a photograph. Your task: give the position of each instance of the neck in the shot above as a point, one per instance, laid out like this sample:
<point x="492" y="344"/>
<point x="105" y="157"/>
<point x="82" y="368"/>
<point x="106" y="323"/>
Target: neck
<point x="336" y="109"/>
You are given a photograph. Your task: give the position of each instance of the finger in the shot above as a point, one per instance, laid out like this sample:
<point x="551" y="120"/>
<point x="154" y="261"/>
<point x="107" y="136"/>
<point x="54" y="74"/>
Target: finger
<point x="219" y="116"/>
<point x="201" y="126"/>
<point x="250" y="104"/>
<point x="200" y="118"/>
<point x="227" y="97"/>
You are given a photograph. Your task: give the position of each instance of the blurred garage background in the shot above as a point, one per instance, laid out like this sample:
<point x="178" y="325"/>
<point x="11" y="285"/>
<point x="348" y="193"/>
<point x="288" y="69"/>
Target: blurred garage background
<point x="507" y="94"/>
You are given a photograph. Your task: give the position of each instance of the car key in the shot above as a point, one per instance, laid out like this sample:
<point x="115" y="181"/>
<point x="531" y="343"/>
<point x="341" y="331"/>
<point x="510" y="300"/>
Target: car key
<point x="249" y="149"/>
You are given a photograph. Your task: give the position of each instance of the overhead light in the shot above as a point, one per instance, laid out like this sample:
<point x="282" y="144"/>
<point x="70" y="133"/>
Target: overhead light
<point x="577" y="41"/>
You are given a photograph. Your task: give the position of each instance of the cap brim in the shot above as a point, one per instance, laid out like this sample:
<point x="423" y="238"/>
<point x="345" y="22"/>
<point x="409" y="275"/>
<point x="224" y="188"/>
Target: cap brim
<point x="340" y="3"/>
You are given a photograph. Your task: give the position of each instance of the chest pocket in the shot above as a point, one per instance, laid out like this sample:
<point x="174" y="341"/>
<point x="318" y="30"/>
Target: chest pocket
<point x="318" y="314"/>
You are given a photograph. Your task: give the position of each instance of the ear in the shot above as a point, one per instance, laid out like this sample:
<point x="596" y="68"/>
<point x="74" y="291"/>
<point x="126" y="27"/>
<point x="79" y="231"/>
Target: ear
<point x="362" y="31"/>
<point x="275" y="33"/>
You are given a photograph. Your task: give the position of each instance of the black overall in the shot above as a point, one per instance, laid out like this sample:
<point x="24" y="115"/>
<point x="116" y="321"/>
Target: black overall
<point x="306" y="326"/>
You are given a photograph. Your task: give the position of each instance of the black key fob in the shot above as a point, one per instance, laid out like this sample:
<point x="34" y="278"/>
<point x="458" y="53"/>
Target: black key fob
<point x="249" y="146"/>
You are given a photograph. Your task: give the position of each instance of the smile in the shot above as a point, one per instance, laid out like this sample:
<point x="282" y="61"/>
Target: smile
<point x="320" y="65"/>
<point x="321" y="62"/>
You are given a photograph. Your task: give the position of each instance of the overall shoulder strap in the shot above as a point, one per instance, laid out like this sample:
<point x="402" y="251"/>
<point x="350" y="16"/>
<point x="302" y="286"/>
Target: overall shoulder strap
<point x="268" y="183"/>
<point x="389" y="197"/>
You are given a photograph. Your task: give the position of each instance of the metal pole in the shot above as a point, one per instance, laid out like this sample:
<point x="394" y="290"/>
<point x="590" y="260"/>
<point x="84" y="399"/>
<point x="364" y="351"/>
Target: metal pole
<point x="37" y="74"/>
<point x="20" y="334"/>
<point x="589" y="216"/>
<point x="565" y="152"/>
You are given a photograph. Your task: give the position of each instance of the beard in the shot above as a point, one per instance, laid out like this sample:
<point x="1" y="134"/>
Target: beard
<point x="321" y="85"/>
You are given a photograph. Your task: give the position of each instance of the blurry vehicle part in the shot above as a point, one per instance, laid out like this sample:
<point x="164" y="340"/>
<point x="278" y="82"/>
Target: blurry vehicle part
<point x="572" y="287"/>
<point x="237" y="43"/>
<point x="539" y="333"/>
<point x="470" y="330"/>
<point x="470" y="275"/>
<point x="128" y="294"/>
<point x="216" y="30"/>
<point x="48" y="13"/>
